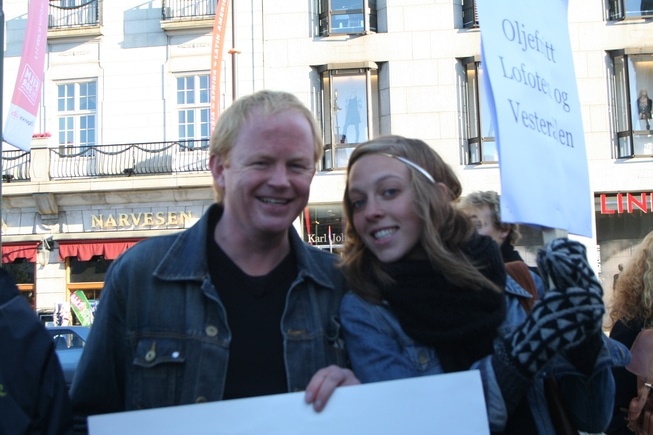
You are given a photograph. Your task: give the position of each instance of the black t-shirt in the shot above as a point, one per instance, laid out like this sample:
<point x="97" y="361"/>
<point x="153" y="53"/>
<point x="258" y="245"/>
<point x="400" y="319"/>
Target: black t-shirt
<point x="254" y="306"/>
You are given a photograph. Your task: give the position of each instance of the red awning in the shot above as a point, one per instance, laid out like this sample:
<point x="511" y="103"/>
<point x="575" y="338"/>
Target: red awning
<point x="12" y="251"/>
<point x="85" y="250"/>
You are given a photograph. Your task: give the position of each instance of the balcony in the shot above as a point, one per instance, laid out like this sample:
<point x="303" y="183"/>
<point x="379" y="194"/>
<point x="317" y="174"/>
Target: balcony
<point x="123" y="160"/>
<point x="187" y="14"/>
<point x="71" y="18"/>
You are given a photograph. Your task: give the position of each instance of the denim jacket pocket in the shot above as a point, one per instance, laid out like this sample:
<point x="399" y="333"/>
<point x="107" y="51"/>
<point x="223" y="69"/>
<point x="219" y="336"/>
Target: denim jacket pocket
<point x="158" y="371"/>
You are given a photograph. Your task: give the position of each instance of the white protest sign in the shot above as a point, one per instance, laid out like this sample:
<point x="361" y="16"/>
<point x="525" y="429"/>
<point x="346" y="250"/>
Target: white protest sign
<point x="451" y="404"/>
<point x="531" y="89"/>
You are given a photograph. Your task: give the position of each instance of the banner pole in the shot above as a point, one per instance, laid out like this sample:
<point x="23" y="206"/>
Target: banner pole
<point x="2" y="68"/>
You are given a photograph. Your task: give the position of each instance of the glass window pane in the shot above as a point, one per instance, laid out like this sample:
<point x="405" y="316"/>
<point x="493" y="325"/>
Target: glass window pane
<point x="641" y="83"/>
<point x="204" y="89"/>
<point x="621" y="94"/>
<point x="350" y="103"/>
<point x="472" y="101"/>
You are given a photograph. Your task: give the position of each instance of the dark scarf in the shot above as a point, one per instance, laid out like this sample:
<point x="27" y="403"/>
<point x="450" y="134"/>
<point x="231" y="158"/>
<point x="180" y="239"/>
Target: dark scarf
<point x="460" y="324"/>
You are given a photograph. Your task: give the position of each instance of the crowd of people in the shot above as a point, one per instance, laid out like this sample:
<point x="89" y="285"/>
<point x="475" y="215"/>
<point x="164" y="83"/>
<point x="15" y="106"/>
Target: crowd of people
<point x="428" y="282"/>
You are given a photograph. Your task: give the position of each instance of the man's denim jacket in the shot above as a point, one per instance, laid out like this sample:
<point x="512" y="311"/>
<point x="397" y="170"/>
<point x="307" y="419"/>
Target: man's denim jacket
<point x="380" y="350"/>
<point x="161" y="335"/>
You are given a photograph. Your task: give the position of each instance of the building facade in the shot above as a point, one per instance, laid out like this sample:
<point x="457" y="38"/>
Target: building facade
<point x="120" y="150"/>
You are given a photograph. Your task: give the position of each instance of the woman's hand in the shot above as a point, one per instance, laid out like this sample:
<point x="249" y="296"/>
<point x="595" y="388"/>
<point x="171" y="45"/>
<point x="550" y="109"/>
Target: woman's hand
<point x="324" y="382"/>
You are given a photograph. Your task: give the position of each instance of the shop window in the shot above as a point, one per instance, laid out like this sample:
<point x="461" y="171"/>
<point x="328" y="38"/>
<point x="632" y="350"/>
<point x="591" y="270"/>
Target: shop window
<point x="22" y="272"/>
<point x="631" y="103"/>
<point x="193" y="112"/>
<point x="323" y="226"/>
<point x="87" y="276"/>
<point x="479" y="130"/>
<point x="470" y="16"/>
<point x="77" y="118"/>
<point x="347" y="17"/>
<point x="350" y="111"/>
<point x="629" y="9"/>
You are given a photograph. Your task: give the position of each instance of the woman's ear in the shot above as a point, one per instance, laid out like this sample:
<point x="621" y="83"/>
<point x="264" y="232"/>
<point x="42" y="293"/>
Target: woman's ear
<point x="444" y="190"/>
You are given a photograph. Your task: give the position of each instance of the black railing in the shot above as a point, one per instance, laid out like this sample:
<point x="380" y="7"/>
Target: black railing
<point x="187" y="9"/>
<point x="129" y="159"/>
<point x="84" y="13"/>
<point x="15" y="166"/>
<point x="125" y="160"/>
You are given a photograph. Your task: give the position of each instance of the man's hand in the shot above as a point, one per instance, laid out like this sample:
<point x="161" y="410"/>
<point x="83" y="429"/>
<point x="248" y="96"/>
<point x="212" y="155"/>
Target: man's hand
<point x="324" y="382"/>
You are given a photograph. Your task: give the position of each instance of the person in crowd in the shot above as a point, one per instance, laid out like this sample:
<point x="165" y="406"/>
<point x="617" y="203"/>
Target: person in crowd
<point x="33" y="395"/>
<point x="427" y="297"/>
<point x="631" y="311"/>
<point x="235" y="306"/>
<point x="484" y="209"/>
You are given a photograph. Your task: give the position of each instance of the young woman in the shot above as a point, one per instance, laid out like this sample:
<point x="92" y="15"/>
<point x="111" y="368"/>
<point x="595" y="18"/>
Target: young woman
<point x="632" y="310"/>
<point x="428" y="297"/>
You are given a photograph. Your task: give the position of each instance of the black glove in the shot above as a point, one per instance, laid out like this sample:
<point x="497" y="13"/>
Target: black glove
<point x="565" y="317"/>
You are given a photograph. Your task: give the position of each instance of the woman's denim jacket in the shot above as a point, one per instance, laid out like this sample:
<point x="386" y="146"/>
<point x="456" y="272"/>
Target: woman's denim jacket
<point x="161" y="335"/>
<point x="380" y="350"/>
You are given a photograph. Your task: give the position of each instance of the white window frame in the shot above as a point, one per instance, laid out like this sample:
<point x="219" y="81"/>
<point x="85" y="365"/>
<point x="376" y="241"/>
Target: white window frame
<point x="73" y="137"/>
<point x="200" y="108"/>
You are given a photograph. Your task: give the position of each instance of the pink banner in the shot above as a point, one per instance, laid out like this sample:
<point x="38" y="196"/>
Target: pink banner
<point x="217" y="48"/>
<point x="27" y="93"/>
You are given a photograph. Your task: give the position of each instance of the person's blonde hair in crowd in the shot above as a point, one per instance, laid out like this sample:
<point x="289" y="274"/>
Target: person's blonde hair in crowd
<point x="633" y="294"/>
<point x="445" y="228"/>
<point x="492" y="200"/>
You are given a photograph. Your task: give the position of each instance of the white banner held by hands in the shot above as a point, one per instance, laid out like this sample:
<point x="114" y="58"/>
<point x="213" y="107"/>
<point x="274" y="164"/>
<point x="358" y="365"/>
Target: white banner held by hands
<point x="451" y="404"/>
<point x="531" y="88"/>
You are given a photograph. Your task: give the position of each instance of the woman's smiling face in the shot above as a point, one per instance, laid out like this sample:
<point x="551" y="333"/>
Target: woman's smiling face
<point x="382" y="204"/>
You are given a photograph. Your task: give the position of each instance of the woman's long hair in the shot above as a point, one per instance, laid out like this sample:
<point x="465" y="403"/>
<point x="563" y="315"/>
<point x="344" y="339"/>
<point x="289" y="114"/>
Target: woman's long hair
<point x="633" y="294"/>
<point x="445" y="229"/>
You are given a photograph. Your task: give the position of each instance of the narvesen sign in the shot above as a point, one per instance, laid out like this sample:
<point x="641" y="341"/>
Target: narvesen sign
<point x="140" y="220"/>
<point x="627" y="203"/>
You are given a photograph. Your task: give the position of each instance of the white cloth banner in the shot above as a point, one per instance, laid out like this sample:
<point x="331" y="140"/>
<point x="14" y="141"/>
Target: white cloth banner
<point x="531" y="89"/>
<point x="27" y="94"/>
<point x="451" y="404"/>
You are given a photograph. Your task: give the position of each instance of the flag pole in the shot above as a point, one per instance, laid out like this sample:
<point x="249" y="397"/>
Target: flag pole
<point x="2" y="68"/>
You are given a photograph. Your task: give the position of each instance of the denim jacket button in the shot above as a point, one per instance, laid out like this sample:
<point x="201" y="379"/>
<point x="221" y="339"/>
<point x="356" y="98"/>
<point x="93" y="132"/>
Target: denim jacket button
<point x="211" y="331"/>
<point x="200" y="399"/>
<point x="422" y="358"/>
<point x="150" y="355"/>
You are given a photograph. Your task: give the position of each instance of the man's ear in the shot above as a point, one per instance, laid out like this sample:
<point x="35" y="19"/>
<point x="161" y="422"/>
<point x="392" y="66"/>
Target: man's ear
<point x="217" y="165"/>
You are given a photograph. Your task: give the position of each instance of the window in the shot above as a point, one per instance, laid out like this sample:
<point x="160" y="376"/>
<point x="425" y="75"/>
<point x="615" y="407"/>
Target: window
<point x="347" y="16"/>
<point x="22" y="272"/>
<point x="323" y="226"/>
<point x="76" y="117"/>
<point x="193" y="111"/>
<point x="351" y="99"/>
<point x="470" y="16"/>
<point x="629" y="9"/>
<point x="631" y="105"/>
<point x="481" y="147"/>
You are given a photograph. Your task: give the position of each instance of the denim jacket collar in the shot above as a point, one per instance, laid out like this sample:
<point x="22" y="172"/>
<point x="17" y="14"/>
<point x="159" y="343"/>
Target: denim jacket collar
<point x="186" y="259"/>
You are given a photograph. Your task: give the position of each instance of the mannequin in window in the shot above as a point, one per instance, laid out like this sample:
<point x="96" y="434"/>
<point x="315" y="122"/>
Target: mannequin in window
<point x="352" y="116"/>
<point x="644" y="109"/>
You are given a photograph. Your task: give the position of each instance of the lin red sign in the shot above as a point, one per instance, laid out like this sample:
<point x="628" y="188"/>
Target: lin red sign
<point x="627" y="203"/>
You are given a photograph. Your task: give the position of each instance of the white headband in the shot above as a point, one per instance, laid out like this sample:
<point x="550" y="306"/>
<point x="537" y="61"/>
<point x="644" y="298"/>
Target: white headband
<point x="413" y="165"/>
